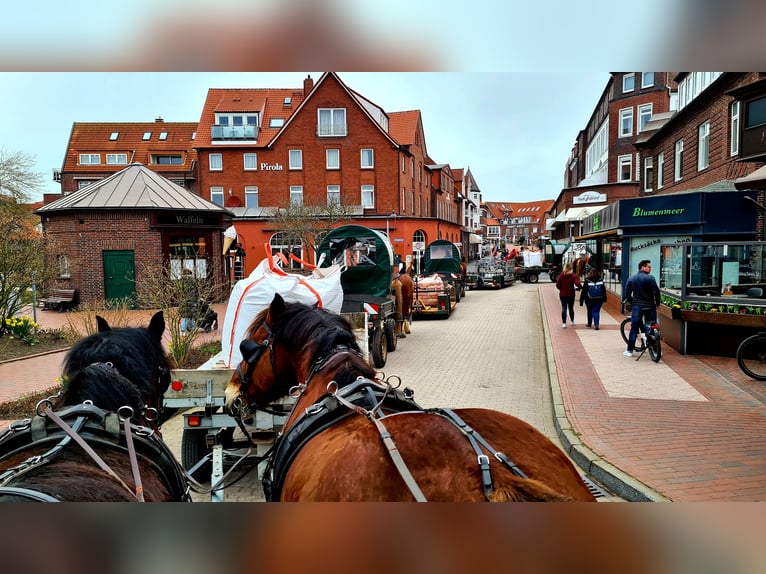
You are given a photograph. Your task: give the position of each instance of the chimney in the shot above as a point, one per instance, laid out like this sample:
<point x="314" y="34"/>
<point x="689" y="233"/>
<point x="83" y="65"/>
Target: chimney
<point x="308" y="85"/>
<point x="159" y="120"/>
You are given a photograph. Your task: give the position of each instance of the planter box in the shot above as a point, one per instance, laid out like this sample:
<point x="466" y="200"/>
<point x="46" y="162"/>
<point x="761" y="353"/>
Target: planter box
<point x="706" y="333"/>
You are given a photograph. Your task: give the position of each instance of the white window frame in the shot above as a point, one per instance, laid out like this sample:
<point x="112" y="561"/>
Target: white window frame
<point x="113" y="136"/>
<point x="88" y="159"/>
<point x="332" y="157"/>
<point x="216" y="162"/>
<point x="216" y="191"/>
<point x="660" y="169"/>
<point x="368" y="196"/>
<point x="626" y="114"/>
<point x="644" y="83"/>
<point x="625" y="78"/>
<point x="648" y="170"/>
<point x="253" y="161"/>
<point x="296" y="195"/>
<point x="703" y="146"/>
<point x="251" y="196"/>
<point x="163" y="136"/>
<point x="678" y="155"/>
<point x="295" y="159"/>
<point x="370" y="152"/>
<point x="622" y="161"/>
<point x="116" y="159"/>
<point x="734" y="128"/>
<point x="276" y="122"/>
<point x="65" y="267"/>
<point x="333" y="195"/>
<point x="337" y="125"/>
<point x="147" y="136"/>
<point x="644" y="115"/>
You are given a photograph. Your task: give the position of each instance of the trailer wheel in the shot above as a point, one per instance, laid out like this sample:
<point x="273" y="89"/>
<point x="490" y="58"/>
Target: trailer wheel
<point x="533" y="278"/>
<point x="391" y="339"/>
<point x="193" y="449"/>
<point x="379" y="349"/>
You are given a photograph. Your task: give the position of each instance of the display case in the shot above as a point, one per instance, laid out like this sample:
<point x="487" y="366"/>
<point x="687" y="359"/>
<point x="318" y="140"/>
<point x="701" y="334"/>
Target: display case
<point x="714" y="272"/>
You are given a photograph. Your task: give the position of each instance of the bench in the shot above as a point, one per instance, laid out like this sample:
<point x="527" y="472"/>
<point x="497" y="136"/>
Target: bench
<point x="59" y="299"/>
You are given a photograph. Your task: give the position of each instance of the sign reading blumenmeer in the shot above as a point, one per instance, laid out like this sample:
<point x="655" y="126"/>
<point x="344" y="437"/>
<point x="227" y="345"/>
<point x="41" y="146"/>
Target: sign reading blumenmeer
<point x="673" y="210"/>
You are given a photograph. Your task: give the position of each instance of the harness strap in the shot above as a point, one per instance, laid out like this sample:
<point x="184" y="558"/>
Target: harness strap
<point x="33" y="495"/>
<point x="133" y="461"/>
<point x="398" y="461"/>
<point x="86" y="447"/>
<point x="475" y="439"/>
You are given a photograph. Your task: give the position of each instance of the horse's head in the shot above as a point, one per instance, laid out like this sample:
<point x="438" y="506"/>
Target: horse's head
<point x="284" y="347"/>
<point x="119" y="367"/>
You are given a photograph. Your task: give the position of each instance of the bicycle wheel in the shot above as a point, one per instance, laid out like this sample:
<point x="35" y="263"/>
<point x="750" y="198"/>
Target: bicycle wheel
<point x="655" y="346"/>
<point x="625" y="332"/>
<point x="751" y="356"/>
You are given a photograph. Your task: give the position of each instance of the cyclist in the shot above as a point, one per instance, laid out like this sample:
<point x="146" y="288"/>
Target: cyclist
<point x="643" y="294"/>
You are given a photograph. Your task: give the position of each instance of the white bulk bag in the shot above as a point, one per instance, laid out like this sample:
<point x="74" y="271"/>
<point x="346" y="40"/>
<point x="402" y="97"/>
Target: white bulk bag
<point x="253" y="294"/>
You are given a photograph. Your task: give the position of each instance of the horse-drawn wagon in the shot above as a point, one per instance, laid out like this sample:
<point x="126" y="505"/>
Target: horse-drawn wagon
<point x="367" y="262"/>
<point x="442" y="284"/>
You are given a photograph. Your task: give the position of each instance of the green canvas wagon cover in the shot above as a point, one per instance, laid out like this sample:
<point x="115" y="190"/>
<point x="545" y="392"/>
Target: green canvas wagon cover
<point x="441" y="256"/>
<point x="367" y="256"/>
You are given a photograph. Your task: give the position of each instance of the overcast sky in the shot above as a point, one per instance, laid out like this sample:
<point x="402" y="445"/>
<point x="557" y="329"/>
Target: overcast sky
<point x="514" y="130"/>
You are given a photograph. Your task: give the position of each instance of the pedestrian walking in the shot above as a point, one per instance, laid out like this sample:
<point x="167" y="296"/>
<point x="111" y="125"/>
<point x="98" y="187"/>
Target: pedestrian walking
<point x="593" y="296"/>
<point x="643" y="294"/>
<point x="188" y="301"/>
<point x="566" y="283"/>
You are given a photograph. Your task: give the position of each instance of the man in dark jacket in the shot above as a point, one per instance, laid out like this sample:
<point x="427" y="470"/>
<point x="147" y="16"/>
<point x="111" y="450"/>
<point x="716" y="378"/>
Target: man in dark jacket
<point x="643" y="294"/>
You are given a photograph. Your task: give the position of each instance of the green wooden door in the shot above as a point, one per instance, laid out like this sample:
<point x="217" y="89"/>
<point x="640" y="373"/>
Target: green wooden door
<point x="119" y="275"/>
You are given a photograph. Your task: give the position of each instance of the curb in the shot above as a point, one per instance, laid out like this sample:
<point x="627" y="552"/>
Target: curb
<point x="61" y="350"/>
<point x="601" y="470"/>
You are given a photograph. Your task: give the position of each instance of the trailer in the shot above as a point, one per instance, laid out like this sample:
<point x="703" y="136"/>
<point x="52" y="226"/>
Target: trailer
<point x="493" y="273"/>
<point x="443" y="258"/>
<point x="367" y="262"/>
<point x="528" y="265"/>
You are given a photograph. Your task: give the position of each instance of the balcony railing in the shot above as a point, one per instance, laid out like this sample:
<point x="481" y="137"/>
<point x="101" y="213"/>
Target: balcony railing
<point x="234" y="132"/>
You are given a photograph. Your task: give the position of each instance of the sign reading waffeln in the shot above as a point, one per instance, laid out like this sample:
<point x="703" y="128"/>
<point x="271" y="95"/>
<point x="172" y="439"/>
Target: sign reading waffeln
<point x="589" y="197"/>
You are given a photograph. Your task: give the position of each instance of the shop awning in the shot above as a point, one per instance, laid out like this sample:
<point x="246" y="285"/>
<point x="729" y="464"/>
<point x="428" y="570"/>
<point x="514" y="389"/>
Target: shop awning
<point x="577" y="214"/>
<point x="756" y="180"/>
<point x="473" y="238"/>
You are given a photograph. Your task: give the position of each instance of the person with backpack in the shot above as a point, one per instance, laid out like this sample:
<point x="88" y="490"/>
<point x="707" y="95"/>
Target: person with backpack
<point x="593" y="295"/>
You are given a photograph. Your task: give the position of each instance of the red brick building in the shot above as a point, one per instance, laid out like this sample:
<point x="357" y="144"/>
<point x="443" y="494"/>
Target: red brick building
<point x="105" y="236"/>
<point x="256" y="150"/>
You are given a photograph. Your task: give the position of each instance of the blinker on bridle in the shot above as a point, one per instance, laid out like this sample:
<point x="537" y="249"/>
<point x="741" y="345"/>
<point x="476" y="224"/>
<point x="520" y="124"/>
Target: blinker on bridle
<point x="252" y="351"/>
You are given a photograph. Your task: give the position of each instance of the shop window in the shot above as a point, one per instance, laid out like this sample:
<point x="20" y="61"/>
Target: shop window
<point x="188" y="251"/>
<point x="286" y="244"/>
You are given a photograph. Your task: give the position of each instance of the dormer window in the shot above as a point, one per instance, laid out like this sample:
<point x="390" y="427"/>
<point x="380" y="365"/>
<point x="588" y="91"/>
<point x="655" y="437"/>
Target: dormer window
<point x="235" y="126"/>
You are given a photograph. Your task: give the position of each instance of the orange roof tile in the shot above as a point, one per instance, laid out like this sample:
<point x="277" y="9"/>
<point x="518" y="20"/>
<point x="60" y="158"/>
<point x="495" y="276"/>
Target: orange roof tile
<point x="95" y="138"/>
<point x="402" y="126"/>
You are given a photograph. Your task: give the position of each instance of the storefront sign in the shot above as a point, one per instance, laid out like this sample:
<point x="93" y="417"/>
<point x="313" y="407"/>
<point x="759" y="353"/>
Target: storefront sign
<point x="589" y="197"/>
<point x="271" y="167"/>
<point x="188" y="220"/>
<point x="667" y="210"/>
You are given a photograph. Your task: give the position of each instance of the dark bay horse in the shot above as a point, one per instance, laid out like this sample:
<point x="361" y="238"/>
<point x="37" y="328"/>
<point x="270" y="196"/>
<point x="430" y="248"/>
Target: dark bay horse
<point x="351" y="437"/>
<point x="98" y="440"/>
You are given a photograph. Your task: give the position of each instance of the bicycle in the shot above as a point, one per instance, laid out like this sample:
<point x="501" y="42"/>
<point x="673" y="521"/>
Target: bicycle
<point x="751" y="356"/>
<point x="647" y="339"/>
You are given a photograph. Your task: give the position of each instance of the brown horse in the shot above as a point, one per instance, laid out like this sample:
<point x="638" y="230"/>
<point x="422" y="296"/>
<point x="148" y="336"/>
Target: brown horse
<point x="403" y="288"/>
<point x="351" y="437"/>
<point x="97" y="440"/>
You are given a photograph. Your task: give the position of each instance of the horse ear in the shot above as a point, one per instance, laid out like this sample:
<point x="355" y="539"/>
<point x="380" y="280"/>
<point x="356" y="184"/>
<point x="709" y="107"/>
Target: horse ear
<point x="157" y="325"/>
<point x="103" y="326"/>
<point x="277" y="305"/>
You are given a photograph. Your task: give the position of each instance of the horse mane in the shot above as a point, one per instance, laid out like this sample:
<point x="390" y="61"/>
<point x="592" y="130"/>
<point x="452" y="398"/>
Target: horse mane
<point x="318" y="334"/>
<point x="104" y="386"/>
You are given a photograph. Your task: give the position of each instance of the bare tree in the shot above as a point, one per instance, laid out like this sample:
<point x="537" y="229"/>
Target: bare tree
<point x="18" y="178"/>
<point x="305" y="225"/>
<point x="22" y="253"/>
